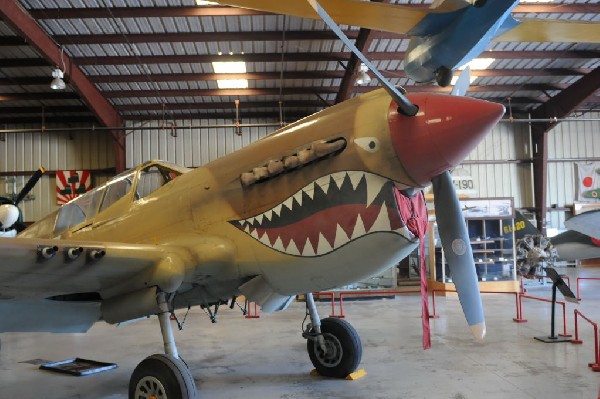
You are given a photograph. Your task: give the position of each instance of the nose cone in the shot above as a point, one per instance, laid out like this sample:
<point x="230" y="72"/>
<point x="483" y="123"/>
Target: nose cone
<point x="442" y="134"/>
<point x="9" y="214"/>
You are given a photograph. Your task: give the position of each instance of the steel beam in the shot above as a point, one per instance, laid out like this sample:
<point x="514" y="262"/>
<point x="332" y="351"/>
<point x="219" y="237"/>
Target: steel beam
<point x="19" y="20"/>
<point x="558" y="106"/>
<point x="296" y="57"/>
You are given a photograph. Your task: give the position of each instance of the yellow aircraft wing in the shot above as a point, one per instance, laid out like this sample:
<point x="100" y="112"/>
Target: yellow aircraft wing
<point x="539" y="30"/>
<point x="401" y="19"/>
<point x="42" y="268"/>
<point x="385" y="17"/>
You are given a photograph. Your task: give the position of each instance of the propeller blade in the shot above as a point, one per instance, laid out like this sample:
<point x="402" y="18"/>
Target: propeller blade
<point x="29" y="185"/>
<point x="458" y="252"/>
<point x="404" y="104"/>
<point x="462" y="83"/>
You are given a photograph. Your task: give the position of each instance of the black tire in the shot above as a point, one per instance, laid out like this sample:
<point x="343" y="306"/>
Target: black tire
<point x="344" y="349"/>
<point x="162" y="377"/>
<point x="443" y="76"/>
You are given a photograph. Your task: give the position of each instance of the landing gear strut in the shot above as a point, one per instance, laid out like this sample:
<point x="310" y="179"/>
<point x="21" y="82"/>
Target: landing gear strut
<point x="333" y="345"/>
<point x="163" y="376"/>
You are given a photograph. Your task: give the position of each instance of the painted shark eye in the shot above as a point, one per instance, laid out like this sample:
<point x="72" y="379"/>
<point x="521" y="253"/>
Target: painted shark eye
<point x="370" y="144"/>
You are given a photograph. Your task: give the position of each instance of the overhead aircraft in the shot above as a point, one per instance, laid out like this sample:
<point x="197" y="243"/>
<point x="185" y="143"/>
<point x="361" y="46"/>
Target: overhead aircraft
<point x="326" y="201"/>
<point x="444" y="37"/>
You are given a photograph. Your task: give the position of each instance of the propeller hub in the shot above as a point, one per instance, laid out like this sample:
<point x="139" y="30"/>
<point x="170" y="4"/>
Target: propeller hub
<point x="9" y="214"/>
<point x="444" y="131"/>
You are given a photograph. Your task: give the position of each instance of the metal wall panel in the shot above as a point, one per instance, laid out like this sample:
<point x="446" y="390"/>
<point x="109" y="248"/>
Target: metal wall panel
<point x="568" y="143"/>
<point x="189" y="145"/>
<point x="54" y="151"/>
<point x="499" y="164"/>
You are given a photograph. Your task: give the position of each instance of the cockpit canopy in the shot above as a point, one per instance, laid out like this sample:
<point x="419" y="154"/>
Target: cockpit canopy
<point x="143" y="180"/>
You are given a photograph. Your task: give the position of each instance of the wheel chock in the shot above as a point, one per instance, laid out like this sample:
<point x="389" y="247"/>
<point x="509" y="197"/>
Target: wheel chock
<point x="350" y="377"/>
<point x="360" y="373"/>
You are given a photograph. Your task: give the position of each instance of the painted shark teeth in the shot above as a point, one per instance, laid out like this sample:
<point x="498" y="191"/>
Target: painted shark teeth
<point x="369" y="196"/>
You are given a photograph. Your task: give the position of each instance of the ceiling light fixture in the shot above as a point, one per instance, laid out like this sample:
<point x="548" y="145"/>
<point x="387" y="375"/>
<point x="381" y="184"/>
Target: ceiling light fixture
<point x="231" y="67"/>
<point x="57" y="83"/>
<point x="232" y="83"/>
<point x="206" y="3"/>
<point x="363" y="77"/>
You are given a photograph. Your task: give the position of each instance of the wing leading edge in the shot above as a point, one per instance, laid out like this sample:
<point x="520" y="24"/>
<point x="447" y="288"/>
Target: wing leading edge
<point x="59" y="285"/>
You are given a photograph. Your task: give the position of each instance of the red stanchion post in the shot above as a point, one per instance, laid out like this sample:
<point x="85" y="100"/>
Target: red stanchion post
<point x="564" y="312"/>
<point x="578" y="296"/>
<point x="250" y="315"/>
<point x="576" y="340"/>
<point x="341" y="315"/>
<point x="519" y="300"/>
<point x="433" y="315"/>
<point x="596" y="365"/>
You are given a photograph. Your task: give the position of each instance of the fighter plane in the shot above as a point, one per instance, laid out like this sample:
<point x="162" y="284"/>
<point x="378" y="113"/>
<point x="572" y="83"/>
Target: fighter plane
<point x="444" y="37"/>
<point x="321" y="203"/>
<point x="326" y="201"/>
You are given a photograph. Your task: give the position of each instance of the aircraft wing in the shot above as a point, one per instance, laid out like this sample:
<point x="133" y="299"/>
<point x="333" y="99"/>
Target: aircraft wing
<point x="572" y="245"/>
<point x="380" y="16"/>
<point x="547" y="30"/>
<point x="586" y="223"/>
<point x="60" y="292"/>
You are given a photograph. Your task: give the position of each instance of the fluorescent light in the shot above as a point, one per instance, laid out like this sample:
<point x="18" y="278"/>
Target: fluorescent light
<point x="455" y="78"/>
<point x="232" y="84"/>
<point x="229" y="67"/>
<point x="478" y="63"/>
<point x="206" y="3"/>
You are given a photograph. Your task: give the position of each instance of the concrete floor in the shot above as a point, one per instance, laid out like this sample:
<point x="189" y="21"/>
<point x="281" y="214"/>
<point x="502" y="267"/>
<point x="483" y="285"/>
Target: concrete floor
<point x="266" y="358"/>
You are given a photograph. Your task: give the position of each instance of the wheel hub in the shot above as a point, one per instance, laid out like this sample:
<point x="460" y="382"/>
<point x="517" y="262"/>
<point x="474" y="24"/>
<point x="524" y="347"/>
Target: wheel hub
<point x="150" y="388"/>
<point x="333" y="354"/>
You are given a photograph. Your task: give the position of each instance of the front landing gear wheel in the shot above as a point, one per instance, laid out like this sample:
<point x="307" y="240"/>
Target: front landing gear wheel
<point x="162" y="377"/>
<point x="344" y="349"/>
<point x="443" y="76"/>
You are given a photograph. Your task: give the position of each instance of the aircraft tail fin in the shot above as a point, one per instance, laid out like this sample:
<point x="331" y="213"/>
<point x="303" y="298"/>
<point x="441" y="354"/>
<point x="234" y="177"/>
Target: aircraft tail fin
<point x="524" y="227"/>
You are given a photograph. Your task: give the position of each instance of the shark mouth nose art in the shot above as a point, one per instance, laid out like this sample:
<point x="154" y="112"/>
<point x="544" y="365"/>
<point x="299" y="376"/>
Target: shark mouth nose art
<point x="327" y="214"/>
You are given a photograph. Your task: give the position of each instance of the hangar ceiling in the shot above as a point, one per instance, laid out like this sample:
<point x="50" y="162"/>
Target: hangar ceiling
<point x="152" y="59"/>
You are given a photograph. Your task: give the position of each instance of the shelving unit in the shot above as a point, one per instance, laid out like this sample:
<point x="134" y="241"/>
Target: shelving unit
<point x="490" y="223"/>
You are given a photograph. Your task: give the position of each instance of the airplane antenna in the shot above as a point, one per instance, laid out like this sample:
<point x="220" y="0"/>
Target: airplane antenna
<point x="404" y="104"/>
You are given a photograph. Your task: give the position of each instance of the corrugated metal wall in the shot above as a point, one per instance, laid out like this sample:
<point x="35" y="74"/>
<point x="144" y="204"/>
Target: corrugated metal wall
<point x="568" y="143"/>
<point x="500" y="164"/>
<point x="54" y="151"/>
<point x="192" y="146"/>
